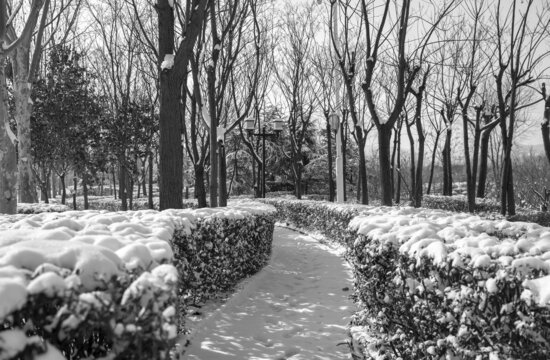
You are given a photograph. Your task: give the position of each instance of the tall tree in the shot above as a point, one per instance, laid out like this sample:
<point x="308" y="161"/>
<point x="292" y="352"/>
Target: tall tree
<point x="293" y="79"/>
<point x="521" y="33"/>
<point x="11" y="43"/>
<point x="173" y="64"/>
<point x="406" y="65"/>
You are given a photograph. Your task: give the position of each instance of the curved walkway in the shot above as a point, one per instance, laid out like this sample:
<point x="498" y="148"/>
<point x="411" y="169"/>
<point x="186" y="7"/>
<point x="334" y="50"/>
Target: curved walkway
<point x="297" y="307"/>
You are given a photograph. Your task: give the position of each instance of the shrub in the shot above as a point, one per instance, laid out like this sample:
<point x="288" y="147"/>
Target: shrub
<point x="105" y="289"/>
<point x="438" y="285"/>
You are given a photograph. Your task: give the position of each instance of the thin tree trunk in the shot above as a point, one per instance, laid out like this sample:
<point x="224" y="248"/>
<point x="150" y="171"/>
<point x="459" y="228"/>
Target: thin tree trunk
<point x="384" y="142"/>
<point x="8" y="161"/>
<point x="545" y="128"/>
<point x="52" y="183"/>
<point x="447" y="165"/>
<point x="393" y="158"/>
<point x="432" y="165"/>
<point x="329" y="145"/>
<point x="63" y="189"/>
<point x="200" y="189"/>
<point x="412" y="194"/>
<point x="362" y="181"/>
<point x="122" y="183"/>
<point x="85" y="190"/>
<point x="22" y="92"/>
<point x="150" y="194"/>
<point x="223" y="175"/>
<point x="470" y="184"/>
<point x="75" y="183"/>
<point x="114" y="181"/>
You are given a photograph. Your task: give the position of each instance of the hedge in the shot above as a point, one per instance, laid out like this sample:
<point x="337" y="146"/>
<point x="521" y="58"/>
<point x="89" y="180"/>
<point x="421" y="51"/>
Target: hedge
<point x="130" y="310"/>
<point x="438" y="285"/>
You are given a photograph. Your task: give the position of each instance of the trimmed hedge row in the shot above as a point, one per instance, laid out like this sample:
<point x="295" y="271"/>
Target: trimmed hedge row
<point x="136" y="314"/>
<point x="220" y="252"/>
<point x="459" y="203"/>
<point x="329" y="219"/>
<point x="414" y="305"/>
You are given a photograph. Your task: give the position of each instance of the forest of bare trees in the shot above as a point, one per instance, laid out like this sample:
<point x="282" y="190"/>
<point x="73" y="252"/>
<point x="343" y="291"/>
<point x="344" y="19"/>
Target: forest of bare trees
<point x="150" y="99"/>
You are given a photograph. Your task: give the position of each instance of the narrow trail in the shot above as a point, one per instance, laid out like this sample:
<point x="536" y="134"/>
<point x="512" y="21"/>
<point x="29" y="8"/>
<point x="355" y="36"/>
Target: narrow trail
<point x="296" y="308"/>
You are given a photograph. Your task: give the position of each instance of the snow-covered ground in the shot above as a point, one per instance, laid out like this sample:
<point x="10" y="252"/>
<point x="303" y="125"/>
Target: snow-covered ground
<point x="297" y="307"/>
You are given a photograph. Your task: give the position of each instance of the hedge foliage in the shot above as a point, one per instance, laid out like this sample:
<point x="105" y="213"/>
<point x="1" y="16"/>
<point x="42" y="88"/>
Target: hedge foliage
<point x="139" y="313"/>
<point x="418" y="307"/>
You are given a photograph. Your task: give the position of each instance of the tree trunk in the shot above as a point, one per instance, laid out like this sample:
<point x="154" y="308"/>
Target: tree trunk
<point x="393" y="159"/>
<point x="298" y="180"/>
<point x="213" y="137"/>
<point x="23" y="109"/>
<point x="483" y="163"/>
<point x="122" y="189"/>
<point x="470" y="182"/>
<point x="171" y="150"/>
<point x="362" y="181"/>
<point x="113" y="172"/>
<point x="150" y="194"/>
<point x="419" y="171"/>
<point x="223" y="175"/>
<point x="413" y="165"/>
<point x="432" y="165"/>
<point x="52" y="183"/>
<point x="329" y="145"/>
<point x="384" y="144"/>
<point x="447" y="165"/>
<point x="200" y="189"/>
<point x="85" y="190"/>
<point x="8" y="161"/>
<point x="130" y="186"/>
<point x="545" y="128"/>
<point x="75" y="183"/>
<point x="63" y="189"/>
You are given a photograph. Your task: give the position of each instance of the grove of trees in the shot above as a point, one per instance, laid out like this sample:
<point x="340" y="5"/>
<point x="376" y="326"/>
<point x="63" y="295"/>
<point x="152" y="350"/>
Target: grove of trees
<point x="130" y="97"/>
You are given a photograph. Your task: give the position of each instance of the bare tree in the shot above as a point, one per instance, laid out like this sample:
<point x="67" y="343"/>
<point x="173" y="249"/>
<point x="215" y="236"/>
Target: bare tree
<point x="406" y="59"/>
<point x="292" y="75"/>
<point x="519" y="41"/>
<point x="173" y="63"/>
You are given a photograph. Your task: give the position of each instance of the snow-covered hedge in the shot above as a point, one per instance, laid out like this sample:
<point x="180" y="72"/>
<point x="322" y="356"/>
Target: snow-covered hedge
<point x="330" y="219"/>
<point x="96" y="283"/>
<point x="438" y="285"/>
<point x="460" y="203"/>
<point x="223" y="248"/>
<point x="36" y="208"/>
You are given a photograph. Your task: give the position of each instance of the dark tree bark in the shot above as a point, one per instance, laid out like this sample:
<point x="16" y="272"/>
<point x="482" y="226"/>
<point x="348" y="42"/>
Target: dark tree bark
<point x="447" y="165"/>
<point x="222" y="175"/>
<point x="171" y="80"/>
<point x="545" y="126"/>
<point x="200" y="189"/>
<point x="85" y="190"/>
<point x="384" y="142"/>
<point x="150" y="194"/>
<point x="63" y="189"/>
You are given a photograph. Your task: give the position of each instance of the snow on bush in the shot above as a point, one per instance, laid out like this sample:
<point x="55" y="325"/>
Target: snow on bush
<point x="433" y="284"/>
<point x="36" y="208"/>
<point x="97" y="283"/>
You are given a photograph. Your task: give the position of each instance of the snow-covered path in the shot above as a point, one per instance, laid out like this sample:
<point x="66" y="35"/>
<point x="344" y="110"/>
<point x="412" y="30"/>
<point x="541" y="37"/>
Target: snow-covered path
<point x="297" y="307"/>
